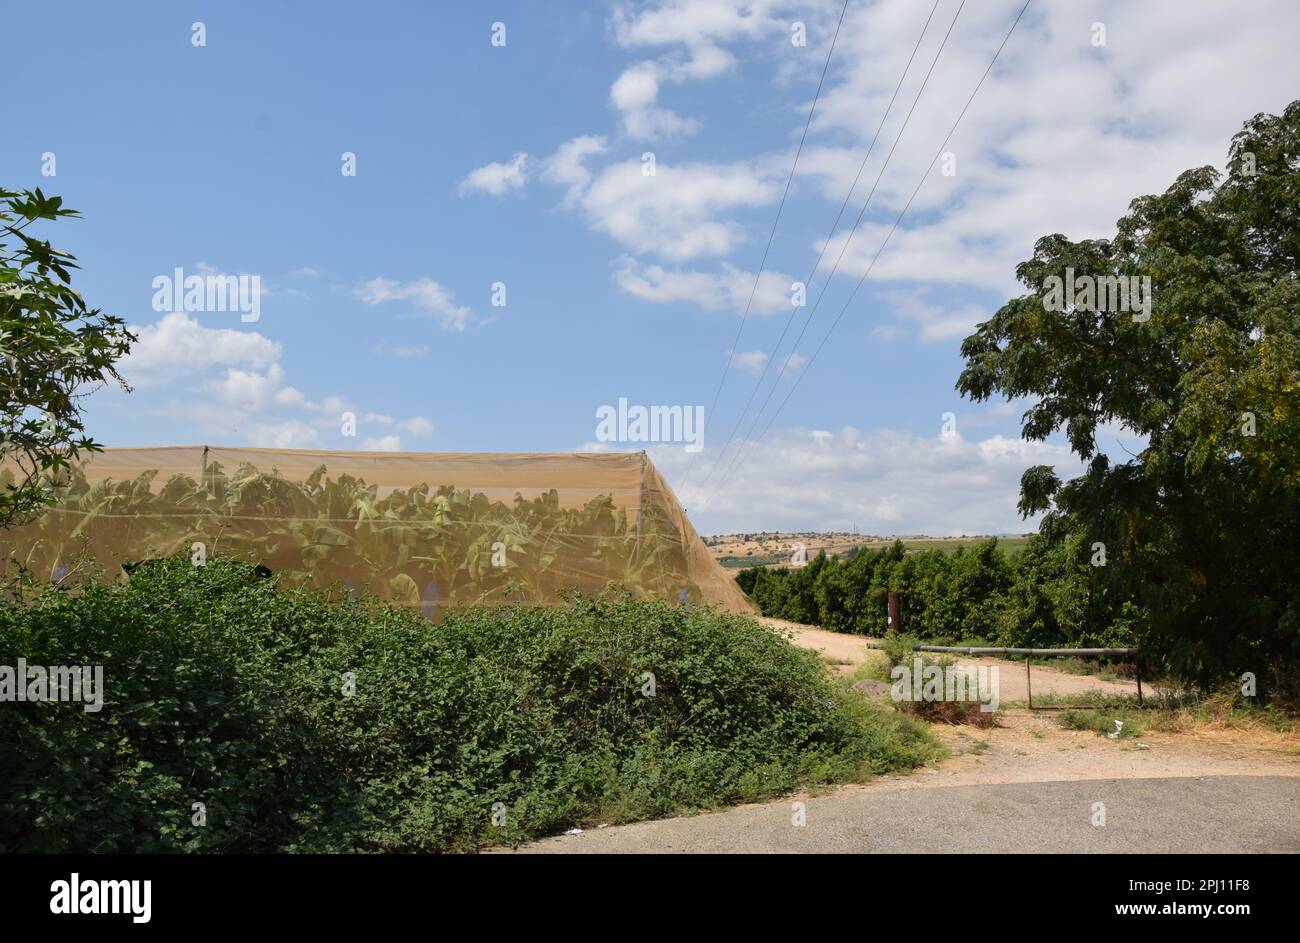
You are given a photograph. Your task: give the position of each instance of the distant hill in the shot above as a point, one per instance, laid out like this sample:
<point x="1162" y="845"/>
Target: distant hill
<point x="777" y="548"/>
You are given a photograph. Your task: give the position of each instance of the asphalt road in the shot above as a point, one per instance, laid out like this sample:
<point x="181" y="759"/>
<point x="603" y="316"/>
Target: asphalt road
<point x="1183" y="815"/>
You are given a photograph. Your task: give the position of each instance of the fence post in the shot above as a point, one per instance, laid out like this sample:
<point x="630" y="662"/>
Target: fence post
<point x="895" y="613"/>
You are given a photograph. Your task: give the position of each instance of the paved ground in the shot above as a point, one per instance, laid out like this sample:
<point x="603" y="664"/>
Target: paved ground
<point x="1181" y="815"/>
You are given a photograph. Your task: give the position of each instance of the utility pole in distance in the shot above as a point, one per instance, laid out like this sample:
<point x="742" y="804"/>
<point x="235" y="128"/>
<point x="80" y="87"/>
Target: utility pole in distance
<point x="895" y="613"/>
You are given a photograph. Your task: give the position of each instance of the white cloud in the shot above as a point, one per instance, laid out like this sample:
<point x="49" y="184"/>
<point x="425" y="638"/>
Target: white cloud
<point x="754" y="362"/>
<point x="674" y="214"/>
<point x="695" y="30"/>
<point x="497" y="178"/>
<point x="290" y="434"/>
<point x="929" y="321"/>
<point x="248" y="390"/>
<point x="791" y="364"/>
<point x="697" y="24"/>
<point x="749" y="361"/>
<point x="635" y="93"/>
<point x="252" y="400"/>
<point x="728" y="289"/>
<point x="637" y="87"/>
<point x="178" y="343"/>
<point x="290" y="398"/>
<point x="424" y="293"/>
<point x="417" y="425"/>
<point x="886" y="482"/>
<point x="248" y="397"/>
<point x="567" y="166"/>
<point x="1027" y="164"/>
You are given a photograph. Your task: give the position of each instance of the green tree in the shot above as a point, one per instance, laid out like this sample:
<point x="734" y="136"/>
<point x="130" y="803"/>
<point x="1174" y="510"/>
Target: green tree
<point x="53" y="352"/>
<point x="1203" y="526"/>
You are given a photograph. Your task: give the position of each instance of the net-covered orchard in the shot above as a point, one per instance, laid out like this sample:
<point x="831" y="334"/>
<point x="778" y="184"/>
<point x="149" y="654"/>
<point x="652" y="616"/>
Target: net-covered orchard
<point x="428" y="530"/>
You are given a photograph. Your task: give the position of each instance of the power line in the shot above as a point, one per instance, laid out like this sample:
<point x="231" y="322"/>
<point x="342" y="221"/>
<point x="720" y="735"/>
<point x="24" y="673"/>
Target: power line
<point x="888" y="236"/>
<point x="816" y="265"/>
<point x="852" y="231"/>
<point x="845" y="248"/>
<point x="885" y="242"/>
<point x="763" y="263"/>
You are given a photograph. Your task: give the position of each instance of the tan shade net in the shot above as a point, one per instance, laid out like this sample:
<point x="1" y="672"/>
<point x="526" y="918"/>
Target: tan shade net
<point x="422" y="529"/>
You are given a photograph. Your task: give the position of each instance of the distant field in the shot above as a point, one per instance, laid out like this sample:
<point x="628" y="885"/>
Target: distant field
<point x="946" y="544"/>
<point x="738" y="562"/>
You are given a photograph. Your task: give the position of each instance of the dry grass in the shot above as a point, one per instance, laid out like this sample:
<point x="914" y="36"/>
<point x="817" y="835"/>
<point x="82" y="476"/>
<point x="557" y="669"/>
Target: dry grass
<point x="1223" y="715"/>
<point x="955" y="713"/>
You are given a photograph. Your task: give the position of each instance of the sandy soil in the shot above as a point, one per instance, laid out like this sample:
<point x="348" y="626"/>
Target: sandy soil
<point x="849" y="651"/>
<point x="1030" y="746"/>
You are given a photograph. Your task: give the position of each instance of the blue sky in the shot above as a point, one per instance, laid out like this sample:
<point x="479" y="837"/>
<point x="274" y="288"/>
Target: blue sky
<point x="522" y="164"/>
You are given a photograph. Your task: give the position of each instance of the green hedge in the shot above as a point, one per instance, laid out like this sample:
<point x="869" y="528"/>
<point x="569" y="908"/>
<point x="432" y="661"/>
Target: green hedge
<point x="222" y="689"/>
<point x="1042" y="595"/>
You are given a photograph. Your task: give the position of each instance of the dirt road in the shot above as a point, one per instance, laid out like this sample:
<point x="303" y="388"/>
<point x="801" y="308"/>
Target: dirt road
<point x="849" y="651"/>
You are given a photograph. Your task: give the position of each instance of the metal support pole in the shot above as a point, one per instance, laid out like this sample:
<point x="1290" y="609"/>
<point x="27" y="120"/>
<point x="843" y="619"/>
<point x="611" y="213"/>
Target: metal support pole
<point x="640" y="507"/>
<point x="1028" y="653"/>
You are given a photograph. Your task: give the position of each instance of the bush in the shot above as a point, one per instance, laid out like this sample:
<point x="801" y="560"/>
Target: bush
<point x="222" y="689"/>
<point x="898" y="651"/>
<point x="1102" y="721"/>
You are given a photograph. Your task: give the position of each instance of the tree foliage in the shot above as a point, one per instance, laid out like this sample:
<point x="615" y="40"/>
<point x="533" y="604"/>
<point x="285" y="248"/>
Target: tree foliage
<point x="52" y="347"/>
<point x="1202" y="527"/>
<point x="1044" y="595"/>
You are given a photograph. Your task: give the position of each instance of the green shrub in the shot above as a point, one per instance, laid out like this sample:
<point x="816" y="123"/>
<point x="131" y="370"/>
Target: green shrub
<point x="1043" y="595"/>
<point x="898" y="650"/>
<point x="1102" y="721"/>
<point x="221" y="688"/>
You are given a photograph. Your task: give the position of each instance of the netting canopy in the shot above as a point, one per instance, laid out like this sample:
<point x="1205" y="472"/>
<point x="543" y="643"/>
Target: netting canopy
<point x="421" y="529"/>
